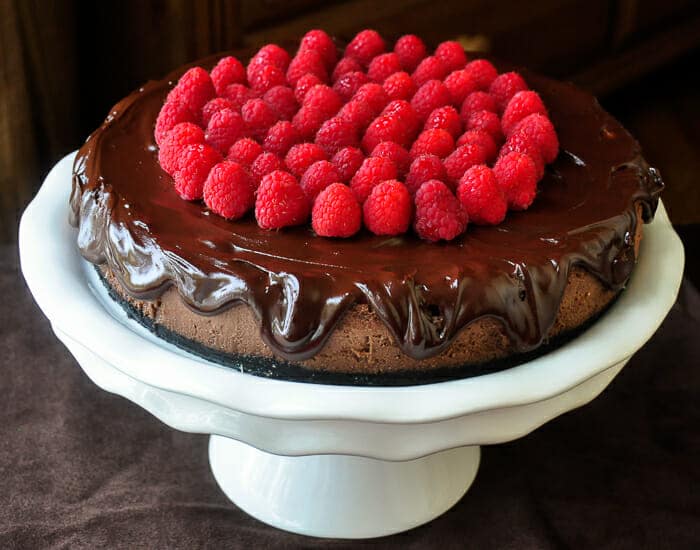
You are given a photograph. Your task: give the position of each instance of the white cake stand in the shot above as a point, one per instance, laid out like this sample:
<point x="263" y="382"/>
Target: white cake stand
<point x="322" y="460"/>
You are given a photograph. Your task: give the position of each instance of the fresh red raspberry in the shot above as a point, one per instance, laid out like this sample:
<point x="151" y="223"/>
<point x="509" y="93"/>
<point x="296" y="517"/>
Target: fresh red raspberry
<point x="271" y="54"/>
<point x="477" y="101"/>
<point x="388" y="209"/>
<point x="281" y="137"/>
<point x="264" y="164"/>
<point x="280" y="201"/>
<point x="304" y="62"/>
<point x="396" y="154"/>
<point x="483" y="140"/>
<point x="433" y="142"/>
<point x="238" y="94"/>
<point x="228" y="70"/>
<point x="347" y="161"/>
<point x="521" y="143"/>
<point x="540" y="130"/>
<point x="225" y="128"/>
<point x="373" y="171"/>
<point x="308" y="121"/>
<point x="282" y="101"/>
<point x="391" y="127"/>
<point x="481" y="197"/>
<point x="214" y="106"/>
<point x="193" y="89"/>
<point x="463" y="158"/>
<point x="424" y="168"/>
<point x="266" y="77"/>
<point x="364" y="46"/>
<point x="522" y="104"/>
<point x="196" y="161"/>
<point x="373" y="95"/>
<point x="348" y="84"/>
<point x="357" y="113"/>
<point x="303" y="155"/>
<point x="244" y="152"/>
<point x="439" y="215"/>
<point x="317" y="177"/>
<point x="335" y="134"/>
<point x="324" y="99"/>
<point x="405" y="115"/>
<point x="399" y="86"/>
<point x="430" y="96"/>
<point x="383" y="66"/>
<point x="258" y="117"/>
<point x="171" y="114"/>
<point x="483" y="73"/>
<point x="229" y="191"/>
<point x="505" y="86"/>
<point x="344" y="66"/>
<point x="460" y="85"/>
<point x="304" y="84"/>
<point x="319" y="41"/>
<point x="486" y="121"/>
<point x="411" y="51"/>
<point x="444" y="118"/>
<point x="452" y="55"/>
<point x="431" y="68"/>
<point x="336" y="212"/>
<point x="516" y="175"/>
<point x="183" y="134"/>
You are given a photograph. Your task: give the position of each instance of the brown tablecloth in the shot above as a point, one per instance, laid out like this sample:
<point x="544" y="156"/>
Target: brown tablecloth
<point x="81" y="468"/>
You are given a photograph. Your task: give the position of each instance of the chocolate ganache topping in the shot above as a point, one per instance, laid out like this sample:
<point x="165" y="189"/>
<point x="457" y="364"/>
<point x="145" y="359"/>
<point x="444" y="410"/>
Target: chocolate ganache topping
<point x="299" y="285"/>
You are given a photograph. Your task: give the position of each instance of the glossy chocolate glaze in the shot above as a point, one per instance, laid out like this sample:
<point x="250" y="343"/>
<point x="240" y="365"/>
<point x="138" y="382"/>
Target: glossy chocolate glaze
<point x="300" y="285"/>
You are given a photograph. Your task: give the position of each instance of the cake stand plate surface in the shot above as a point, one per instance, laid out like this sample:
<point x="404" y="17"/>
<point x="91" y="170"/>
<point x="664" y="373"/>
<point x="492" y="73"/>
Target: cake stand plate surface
<point x="323" y="460"/>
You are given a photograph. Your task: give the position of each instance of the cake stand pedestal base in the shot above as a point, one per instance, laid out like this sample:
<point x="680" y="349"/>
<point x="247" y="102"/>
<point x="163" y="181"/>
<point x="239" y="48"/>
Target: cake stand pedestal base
<point x="341" y="496"/>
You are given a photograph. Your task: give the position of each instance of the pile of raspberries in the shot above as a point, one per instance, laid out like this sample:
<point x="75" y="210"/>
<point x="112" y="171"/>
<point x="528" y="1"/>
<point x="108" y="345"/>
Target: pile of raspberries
<point x="385" y="139"/>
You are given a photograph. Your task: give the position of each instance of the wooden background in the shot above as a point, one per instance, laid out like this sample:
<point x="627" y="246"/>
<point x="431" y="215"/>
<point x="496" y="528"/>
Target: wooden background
<point x="64" y="63"/>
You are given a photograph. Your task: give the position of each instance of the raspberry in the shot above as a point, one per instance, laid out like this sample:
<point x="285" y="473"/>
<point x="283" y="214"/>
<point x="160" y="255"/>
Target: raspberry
<point x="307" y="122"/>
<point x="364" y="46"/>
<point x="439" y="215"/>
<point x="335" y="134"/>
<point x="344" y="66"/>
<point x="481" y="197"/>
<point x="482" y="72"/>
<point x="433" y="142"/>
<point x="183" y="134"/>
<point x="444" y="118"/>
<point x="336" y="212"/>
<point x="304" y="84"/>
<point x="264" y="164"/>
<point x="266" y="77"/>
<point x="388" y="209"/>
<point x="383" y="66"/>
<point x="324" y="99"/>
<point x="357" y="113"/>
<point x="540" y="130"/>
<point x="430" y="96"/>
<point x="460" y="84"/>
<point x="238" y="94"/>
<point x="477" y="101"/>
<point x="424" y="168"/>
<point x="281" y="137"/>
<point x="452" y="55"/>
<point x="258" y="117"/>
<point x="373" y="95"/>
<point x="505" y="86"/>
<point x="304" y="62"/>
<point x="228" y="190"/>
<point x="193" y="89"/>
<point x="271" y="54"/>
<point x="461" y="160"/>
<point x="516" y="175"/>
<point x="431" y="68"/>
<point x="411" y="51"/>
<point x="395" y="153"/>
<point x="224" y="129"/>
<point x="317" y="177"/>
<point x="196" y="160"/>
<point x="349" y="83"/>
<point x="282" y="101"/>
<point x="399" y="86"/>
<point x="228" y="70"/>
<point x="374" y="170"/>
<point x="486" y="121"/>
<point x="521" y="143"/>
<point x="280" y="201"/>
<point x="244" y="152"/>
<point x="320" y="42"/>
<point x="398" y="123"/>
<point x="347" y="161"/>
<point x="483" y="140"/>
<point x="522" y="104"/>
<point x="214" y="106"/>
<point x="303" y="155"/>
<point x="171" y="114"/>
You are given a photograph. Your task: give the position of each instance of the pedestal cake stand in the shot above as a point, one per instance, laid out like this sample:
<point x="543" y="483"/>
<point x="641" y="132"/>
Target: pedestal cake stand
<point x="323" y="460"/>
